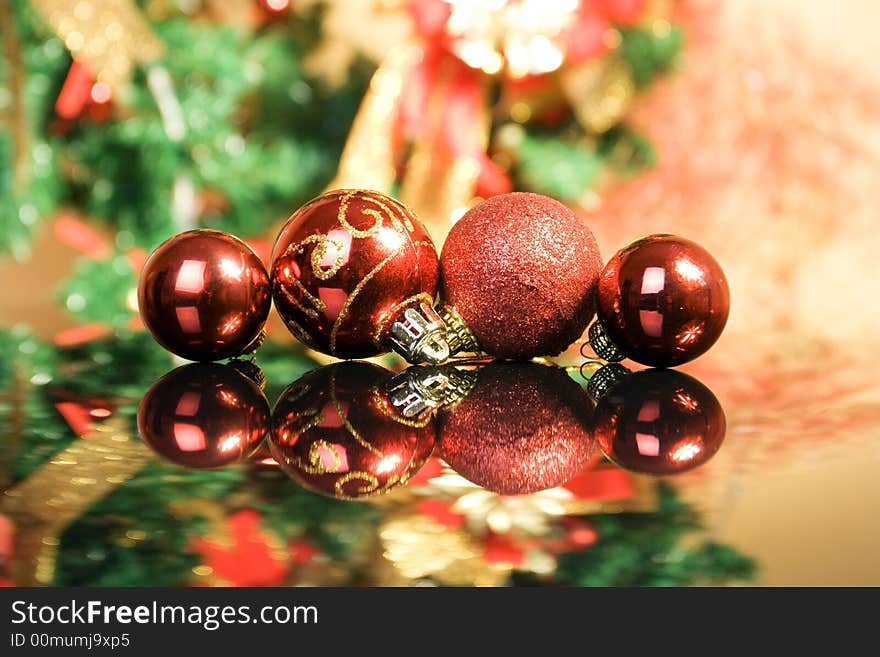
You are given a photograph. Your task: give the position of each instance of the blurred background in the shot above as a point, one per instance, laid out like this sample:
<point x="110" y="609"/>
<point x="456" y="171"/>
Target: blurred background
<point x="751" y="128"/>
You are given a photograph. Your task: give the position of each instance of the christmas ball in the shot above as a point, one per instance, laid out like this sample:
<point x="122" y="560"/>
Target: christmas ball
<point x="346" y="266"/>
<point x="524" y="427"/>
<point x="521" y="270"/>
<point x="335" y="432"/>
<point x="659" y="422"/>
<point x="204" y="415"/>
<point x="204" y="295"/>
<point x="663" y="300"/>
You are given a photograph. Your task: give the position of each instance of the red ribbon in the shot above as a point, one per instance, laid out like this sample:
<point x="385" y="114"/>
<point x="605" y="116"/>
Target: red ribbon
<point x="444" y="100"/>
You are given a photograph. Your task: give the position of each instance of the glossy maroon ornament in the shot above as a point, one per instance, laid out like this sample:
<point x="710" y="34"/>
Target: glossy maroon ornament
<point x="524" y="427"/>
<point x="520" y="271"/>
<point x="336" y="433"/>
<point x="659" y="422"/>
<point x="663" y="300"/>
<point x="347" y="266"/>
<point x="204" y="415"/>
<point x="204" y="295"/>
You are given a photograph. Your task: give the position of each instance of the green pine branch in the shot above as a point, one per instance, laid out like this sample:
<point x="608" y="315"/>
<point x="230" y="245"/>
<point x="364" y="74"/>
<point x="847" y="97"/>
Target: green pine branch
<point x="649" y="53"/>
<point x="646" y="549"/>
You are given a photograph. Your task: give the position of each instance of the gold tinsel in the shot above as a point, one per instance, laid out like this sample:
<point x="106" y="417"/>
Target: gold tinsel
<point x="419" y="547"/>
<point x="47" y="502"/>
<point x="110" y="36"/>
<point x="367" y="161"/>
<point x="599" y="92"/>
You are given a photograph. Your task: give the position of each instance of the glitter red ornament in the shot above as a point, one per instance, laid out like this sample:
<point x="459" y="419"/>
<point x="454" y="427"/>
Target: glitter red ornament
<point x="524" y="427"/>
<point x="204" y="295"/>
<point x="519" y="271"/>
<point x="336" y="433"/>
<point x="354" y="273"/>
<point x="662" y="301"/>
<point x="659" y="422"/>
<point x="204" y="415"/>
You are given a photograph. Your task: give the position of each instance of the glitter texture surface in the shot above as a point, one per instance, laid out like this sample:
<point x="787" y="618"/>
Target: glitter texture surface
<point x="524" y="427"/>
<point x="521" y="271"/>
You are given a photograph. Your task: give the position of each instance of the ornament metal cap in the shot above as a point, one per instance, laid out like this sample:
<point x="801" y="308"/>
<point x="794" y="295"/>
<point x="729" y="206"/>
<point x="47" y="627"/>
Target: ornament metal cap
<point x="419" y="336"/>
<point x="458" y="336"/>
<point x="602" y="344"/>
<point x="605" y="378"/>
<point x="249" y="369"/>
<point x="425" y="388"/>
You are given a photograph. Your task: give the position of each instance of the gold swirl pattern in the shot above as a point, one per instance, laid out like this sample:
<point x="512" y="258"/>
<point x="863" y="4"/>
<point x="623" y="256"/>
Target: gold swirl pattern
<point x="343" y="313"/>
<point x="327" y="453"/>
<point x="345" y="422"/>
<point x="300" y="333"/>
<point x="316" y="459"/>
<point x="399" y="221"/>
<point x="342" y="217"/>
<point x="371" y="488"/>
<point x="309" y="418"/>
<point x="315" y="419"/>
<point x="387" y="214"/>
<point x="298" y="463"/>
<point x="405" y="213"/>
<point x="320" y="251"/>
<point x="319" y="306"/>
<point x="316" y="466"/>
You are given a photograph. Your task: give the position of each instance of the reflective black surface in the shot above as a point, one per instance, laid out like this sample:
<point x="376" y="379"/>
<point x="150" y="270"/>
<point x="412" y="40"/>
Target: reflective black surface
<point x="518" y="428"/>
<point x="475" y="473"/>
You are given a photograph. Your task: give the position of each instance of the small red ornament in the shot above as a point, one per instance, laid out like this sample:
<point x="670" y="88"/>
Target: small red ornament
<point x="204" y="415"/>
<point x="351" y="272"/>
<point x="659" y="422"/>
<point x="663" y="301"/>
<point x="336" y="433"/>
<point x="81" y="96"/>
<point x="204" y="295"/>
<point x="520" y="272"/>
<point x="523" y="427"/>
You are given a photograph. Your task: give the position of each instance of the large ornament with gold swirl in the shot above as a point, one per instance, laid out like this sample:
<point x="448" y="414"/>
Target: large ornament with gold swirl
<point x="346" y="266"/>
<point x="335" y="432"/>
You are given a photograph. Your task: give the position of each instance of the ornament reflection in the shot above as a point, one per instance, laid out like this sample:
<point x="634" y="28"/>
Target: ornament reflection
<point x="655" y="421"/>
<point x="355" y="430"/>
<point x="204" y="415"/>
<point x="336" y="432"/>
<point x="523" y="428"/>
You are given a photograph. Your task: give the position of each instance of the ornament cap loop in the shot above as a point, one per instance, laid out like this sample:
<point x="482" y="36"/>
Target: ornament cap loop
<point x="419" y="336"/>
<point x="425" y="388"/>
